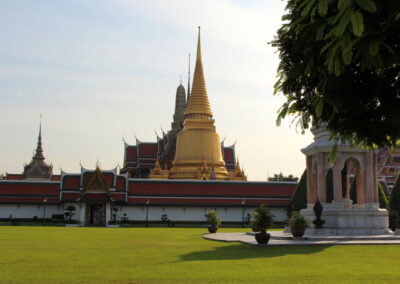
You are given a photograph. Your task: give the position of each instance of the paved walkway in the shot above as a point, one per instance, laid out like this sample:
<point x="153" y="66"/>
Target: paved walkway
<point x="285" y="239"/>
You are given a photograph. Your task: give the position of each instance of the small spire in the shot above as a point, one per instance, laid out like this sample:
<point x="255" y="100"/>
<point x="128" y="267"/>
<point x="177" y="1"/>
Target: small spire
<point x="188" y="89"/>
<point x="39" y="149"/>
<point x="180" y="79"/>
<point x="98" y="165"/>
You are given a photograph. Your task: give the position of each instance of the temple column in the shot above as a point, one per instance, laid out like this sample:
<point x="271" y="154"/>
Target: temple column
<point x="321" y="178"/>
<point x="310" y="185"/>
<point x="368" y="178"/>
<point x="348" y="183"/>
<point x="337" y="179"/>
<point x="360" y="186"/>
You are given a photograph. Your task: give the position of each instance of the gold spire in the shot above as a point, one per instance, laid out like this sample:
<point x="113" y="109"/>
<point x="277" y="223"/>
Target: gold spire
<point x="198" y="105"/>
<point x="157" y="169"/>
<point x="198" y="143"/>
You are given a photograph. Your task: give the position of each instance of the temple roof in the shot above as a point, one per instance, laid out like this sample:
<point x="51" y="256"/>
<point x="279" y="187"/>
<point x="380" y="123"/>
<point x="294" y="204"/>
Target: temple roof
<point x="38" y="168"/>
<point x="198" y="102"/>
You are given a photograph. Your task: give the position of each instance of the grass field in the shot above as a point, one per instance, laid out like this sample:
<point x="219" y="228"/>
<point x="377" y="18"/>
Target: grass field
<point x="180" y="255"/>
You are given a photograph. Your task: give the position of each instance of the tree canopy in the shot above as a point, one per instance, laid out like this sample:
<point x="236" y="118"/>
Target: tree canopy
<point x="281" y="177"/>
<point x="340" y="64"/>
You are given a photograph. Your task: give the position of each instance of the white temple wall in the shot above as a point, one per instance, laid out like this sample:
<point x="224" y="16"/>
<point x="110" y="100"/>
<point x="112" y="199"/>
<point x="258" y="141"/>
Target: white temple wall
<point x="29" y="210"/>
<point x="174" y="213"/>
<point x="228" y="214"/>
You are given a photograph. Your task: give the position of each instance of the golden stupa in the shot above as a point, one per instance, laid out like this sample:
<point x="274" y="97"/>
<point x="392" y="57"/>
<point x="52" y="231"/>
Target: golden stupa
<point x="198" y="147"/>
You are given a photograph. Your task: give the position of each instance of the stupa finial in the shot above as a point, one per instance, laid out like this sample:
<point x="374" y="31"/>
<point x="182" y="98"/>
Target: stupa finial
<point x="198" y="103"/>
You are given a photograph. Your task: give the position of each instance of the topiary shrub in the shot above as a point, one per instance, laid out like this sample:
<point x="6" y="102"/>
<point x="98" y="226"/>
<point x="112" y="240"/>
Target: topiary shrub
<point x="393" y="217"/>
<point x="394" y="203"/>
<point x="299" y="197"/>
<point x="329" y="186"/>
<point x="383" y="201"/>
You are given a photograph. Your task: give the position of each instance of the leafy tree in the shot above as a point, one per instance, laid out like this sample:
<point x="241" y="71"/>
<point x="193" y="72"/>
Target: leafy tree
<point x="299" y="197"/>
<point x="281" y="177"/>
<point x="340" y="64"/>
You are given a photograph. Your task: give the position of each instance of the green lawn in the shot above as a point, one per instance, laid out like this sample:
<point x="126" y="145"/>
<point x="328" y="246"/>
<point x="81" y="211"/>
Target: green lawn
<point x="180" y="255"/>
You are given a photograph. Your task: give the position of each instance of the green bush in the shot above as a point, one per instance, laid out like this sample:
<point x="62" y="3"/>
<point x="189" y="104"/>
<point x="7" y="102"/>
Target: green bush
<point x="383" y="201"/>
<point x="394" y="200"/>
<point x="393" y="220"/>
<point x="212" y="218"/>
<point x="57" y="217"/>
<point x="299" y="198"/>
<point x="298" y="222"/>
<point x="394" y="203"/>
<point x="262" y="219"/>
<point x="73" y="221"/>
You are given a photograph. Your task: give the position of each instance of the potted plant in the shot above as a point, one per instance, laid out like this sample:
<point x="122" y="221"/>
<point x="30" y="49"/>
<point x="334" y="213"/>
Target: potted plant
<point x="213" y="220"/>
<point x="68" y="213"/>
<point x="262" y="220"/>
<point x="298" y="224"/>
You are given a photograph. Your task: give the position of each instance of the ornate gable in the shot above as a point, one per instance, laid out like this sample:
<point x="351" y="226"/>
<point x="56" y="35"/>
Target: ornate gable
<point x="96" y="183"/>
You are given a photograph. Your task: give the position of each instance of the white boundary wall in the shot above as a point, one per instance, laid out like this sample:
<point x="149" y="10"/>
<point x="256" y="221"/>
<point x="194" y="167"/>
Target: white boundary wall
<point x="229" y="214"/>
<point x="29" y="210"/>
<point x="174" y="213"/>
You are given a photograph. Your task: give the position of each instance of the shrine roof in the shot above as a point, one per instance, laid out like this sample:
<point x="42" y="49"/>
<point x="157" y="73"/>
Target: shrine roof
<point x="29" y="188"/>
<point x="71" y="181"/>
<point x="14" y="176"/>
<point x="147" y="149"/>
<point x="229" y="155"/>
<point x="130" y="153"/>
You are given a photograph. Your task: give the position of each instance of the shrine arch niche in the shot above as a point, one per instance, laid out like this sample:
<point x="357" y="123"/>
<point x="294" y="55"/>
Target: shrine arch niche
<point x="353" y="171"/>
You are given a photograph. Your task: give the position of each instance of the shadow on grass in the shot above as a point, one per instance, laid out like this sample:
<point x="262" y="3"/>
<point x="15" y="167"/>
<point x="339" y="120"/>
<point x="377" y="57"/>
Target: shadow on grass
<point x="243" y="251"/>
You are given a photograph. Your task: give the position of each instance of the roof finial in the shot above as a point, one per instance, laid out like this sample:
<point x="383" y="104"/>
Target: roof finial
<point x="39" y="150"/>
<point x="180" y="79"/>
<point x="98" y="165"/>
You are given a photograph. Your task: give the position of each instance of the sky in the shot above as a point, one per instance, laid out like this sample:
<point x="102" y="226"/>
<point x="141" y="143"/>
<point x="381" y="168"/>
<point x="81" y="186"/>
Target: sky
<point x="101" y="70"/>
